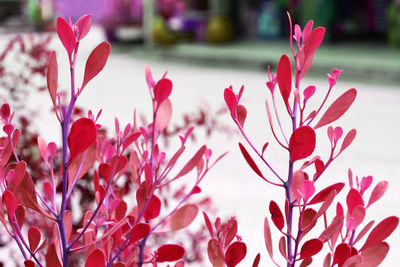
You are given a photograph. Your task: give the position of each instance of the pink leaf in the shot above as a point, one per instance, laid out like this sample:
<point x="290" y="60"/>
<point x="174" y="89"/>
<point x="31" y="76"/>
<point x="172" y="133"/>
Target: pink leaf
<point x="307" y="30"/>
<point x="33" y="237"/>
<point x="353" y="200"/>
<point x="374" y="255"/>
<point x="332" y="229"/>
<point x="96" y="258"/>
<point x="380" y="232"/>
<point x="312" y="42"/>
<point x="354" y="260"/>
<point x="337" y="108"/>
<point x="169" y="252"/>
<point x="66" y="35"/>
<point x="153" y="208"/>
<point x="363" y="232"/>
<point x="235" y="253"/>
<point x="284" y="77"/>
<point x="365" y="184"/>
<point x="83" y="24"/>
<point x="81" y="165"/>
<point x="231" y="101"/>
<point x="192" y="162"/>
<point x="42" y="149"/>
<point x="250" y="161"/>
<point x="52" y="78"/>
<point x="276" y="215"/>
<point x="282" y="247"/>
<point x="10" y="202"/>
<point x="348" y="139"/>
<point x="130" y="139"/>
<point x="162" y="91"/>
<point x="378" y="192"/>
<point x="302" y="143"/>
<point x="214" y="254"/>
<point x="149" y="77"/>
<point x="310" y="248"/>
<point x="358" y="215"/>
<point x="268" y="238"/>
<point x="308" y="92"/>
<point x="324" y="193"/>
<point x="307" y="189"/>
<point x="183" y="217"/>
<point x="96" y="62"/>
<point x="164" y="115"/>
<point x="138" y="232"/>
<point x="82" y="135"/>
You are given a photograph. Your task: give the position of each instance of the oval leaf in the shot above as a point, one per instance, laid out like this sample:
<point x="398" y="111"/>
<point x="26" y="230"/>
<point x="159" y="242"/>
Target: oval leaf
<point x="235" y="253"/>
<point x="310" y="248"/>
<point x="138" y="232"/>
<point x="183" y="217"/>
<point x="96" y="62"/>
<point x="66" y="35"/>
<point x="276" y="215"/>
<point x="153" y="208"/>
<point x="338" y="108"/>
<point x="384" y="229"/>
<point x="284" y="77"/>
<point x="96" y="258"/>
<point x="169" y="252"/>
<point x="34" y="237"/>
<point x="302" y="143"/>
<point x="82" y="135"/>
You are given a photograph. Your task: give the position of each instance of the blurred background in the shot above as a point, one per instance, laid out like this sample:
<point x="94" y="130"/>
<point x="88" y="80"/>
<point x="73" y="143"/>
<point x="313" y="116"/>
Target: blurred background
<point x="206" y="46"/>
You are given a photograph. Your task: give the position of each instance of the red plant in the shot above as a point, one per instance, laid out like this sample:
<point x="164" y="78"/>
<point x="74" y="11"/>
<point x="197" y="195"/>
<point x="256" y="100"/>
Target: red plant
<point x="300" y="182"/>
<point x="115" y="230"/>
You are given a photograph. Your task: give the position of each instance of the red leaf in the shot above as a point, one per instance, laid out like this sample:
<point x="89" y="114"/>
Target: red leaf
<point x="169" y="252"/>
<point x="153" y="208"/>
<point x="5" y="111"/>
<point x="66" y="35"/>
<point x="302" y="143"/>
<point x="353" y="200"/>
<point x="308" y="92"/>
<point x="256" y="260"/>
<point x="324" y="193"/>
<point x="34" y="237"/>
<point x="83" y="24"/>
<point x="214" y="254"/>
<point x="162" y="90"/>
<point x="81" y="165"/>
<point x="29" y="263"/>
<point x="96" y="258"/>
<point x="337" y="108"/>
<point x="52" y="259"/>
<point x="284" y="77"/>
<point x="241" y="114"/>
<point x="358" y="215"/>
<point x="183" y="217"/>
<point x="120" y="211"/>
<point x="164" y="115"/>
<point x="20" y="215"/>
<point x="276" y="215"/>
<point x="10" y="202"/>
<point x="192" y="162"/>
<point x="105" y="171"/>
<point x="138" y="232"/>
<point x="96" y="62"/>
<point x="307" y="189"/>
<point x="374" y="255"/>
<point x="310" y="248"/>
<point x="381" y="231"/>
<point x="235" y="253"/>
<point x="52" y="78"/>
<point x="312" y="42"/>
<point x="378" y="192"/>
<point x="231" y="101"/>
<point x="82" y="135"/>
<point x="208" y="224"/>
<point x="250" y="161"/>
<point x="342" y="253"/>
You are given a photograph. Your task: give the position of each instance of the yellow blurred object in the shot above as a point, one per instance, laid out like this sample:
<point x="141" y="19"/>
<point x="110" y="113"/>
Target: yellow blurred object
<point x="161" y="34"/>
<point x="219" y="29"/>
